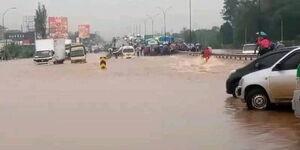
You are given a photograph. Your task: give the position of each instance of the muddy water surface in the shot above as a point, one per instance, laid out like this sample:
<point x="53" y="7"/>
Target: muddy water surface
<point x="161" y="103"/>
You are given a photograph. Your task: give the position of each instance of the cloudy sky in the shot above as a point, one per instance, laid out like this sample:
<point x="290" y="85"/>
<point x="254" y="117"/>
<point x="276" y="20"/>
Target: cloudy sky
<point x="118" y="17"/>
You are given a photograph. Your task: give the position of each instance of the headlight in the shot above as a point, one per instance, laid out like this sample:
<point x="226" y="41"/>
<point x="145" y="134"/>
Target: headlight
<point x="241" y="82"/>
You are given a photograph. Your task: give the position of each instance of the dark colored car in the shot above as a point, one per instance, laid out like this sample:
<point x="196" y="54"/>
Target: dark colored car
<point x="265" y="61"/>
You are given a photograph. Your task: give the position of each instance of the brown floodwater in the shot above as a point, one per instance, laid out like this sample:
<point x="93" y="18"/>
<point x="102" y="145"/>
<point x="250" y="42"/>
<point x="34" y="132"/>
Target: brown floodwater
<point x="148" y="103"/>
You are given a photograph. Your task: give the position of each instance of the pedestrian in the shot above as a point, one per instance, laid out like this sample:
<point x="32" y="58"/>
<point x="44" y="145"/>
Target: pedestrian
<point x="207" y="54"/>
<point x="265" y="46"/>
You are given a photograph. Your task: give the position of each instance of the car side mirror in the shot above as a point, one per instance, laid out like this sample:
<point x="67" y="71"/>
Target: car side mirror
<point x="277" y="67"/>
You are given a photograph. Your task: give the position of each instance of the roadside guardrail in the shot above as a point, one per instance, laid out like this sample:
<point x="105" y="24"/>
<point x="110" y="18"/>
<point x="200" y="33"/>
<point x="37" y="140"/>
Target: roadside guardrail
<point x="234" y="56"/>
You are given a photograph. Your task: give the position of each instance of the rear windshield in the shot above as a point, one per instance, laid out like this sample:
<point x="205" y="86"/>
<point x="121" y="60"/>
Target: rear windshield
<point x="43" y="54"/>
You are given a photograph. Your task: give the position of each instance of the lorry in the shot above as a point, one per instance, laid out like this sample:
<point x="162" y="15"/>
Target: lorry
<point x="48" y="50"/>
<point x="68" y="43"/>
<point x="78" y="53"/>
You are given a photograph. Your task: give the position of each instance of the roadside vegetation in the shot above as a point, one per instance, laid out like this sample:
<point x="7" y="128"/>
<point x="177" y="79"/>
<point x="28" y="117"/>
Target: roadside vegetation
<point x="13" y="51"/>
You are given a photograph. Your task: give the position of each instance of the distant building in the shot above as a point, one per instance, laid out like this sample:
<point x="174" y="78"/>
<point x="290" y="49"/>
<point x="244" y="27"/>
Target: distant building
<point x="19" y="37"/>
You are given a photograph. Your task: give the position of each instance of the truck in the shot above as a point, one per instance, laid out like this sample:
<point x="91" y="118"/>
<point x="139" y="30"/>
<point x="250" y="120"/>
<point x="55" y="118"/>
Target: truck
<point x="78" y="53"/>
<point x="68" y="43"/>
<point x="48" y="50"/>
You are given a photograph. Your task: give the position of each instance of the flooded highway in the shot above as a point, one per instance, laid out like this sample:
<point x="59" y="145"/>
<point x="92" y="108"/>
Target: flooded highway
<point x="146" y="103"/>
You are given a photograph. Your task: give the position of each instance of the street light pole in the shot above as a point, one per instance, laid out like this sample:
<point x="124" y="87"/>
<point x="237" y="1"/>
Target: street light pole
<point x="259" y="21"/>
<point x="164" y="11"/>
<point x="3" y="25"/>
<point x="152" y="22"/>
<point x="3" y="15"/>
<point x="190" y="7"/>
<point x="145" y="25"/>
<point x="282" y="32"/>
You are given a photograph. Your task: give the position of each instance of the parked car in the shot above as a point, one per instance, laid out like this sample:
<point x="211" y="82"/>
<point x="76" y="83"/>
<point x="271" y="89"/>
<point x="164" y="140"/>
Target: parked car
<point x="266" y="61"/>
<point x="269" y="85"/>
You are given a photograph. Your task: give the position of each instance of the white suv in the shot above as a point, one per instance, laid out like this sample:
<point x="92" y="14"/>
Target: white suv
<point x="275" y="84"/>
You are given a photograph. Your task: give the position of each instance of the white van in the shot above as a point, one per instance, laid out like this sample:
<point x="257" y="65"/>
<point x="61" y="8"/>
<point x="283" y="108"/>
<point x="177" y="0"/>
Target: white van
<point x="128" y="52"/>
<point x="275" y="84"/>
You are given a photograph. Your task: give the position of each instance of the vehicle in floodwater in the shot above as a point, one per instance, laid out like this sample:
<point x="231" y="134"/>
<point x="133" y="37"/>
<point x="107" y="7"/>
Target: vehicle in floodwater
<point x="266" y="61"/>
<point x="249" y="48"/>
<point x="50" y="50"/>
<point x="270" y="85"/>
<point x="128" y="52"/>
<point x="78" y="53"/>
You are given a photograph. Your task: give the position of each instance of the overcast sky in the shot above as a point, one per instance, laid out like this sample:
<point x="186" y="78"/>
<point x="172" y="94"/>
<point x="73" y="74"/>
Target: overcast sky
<point x="118" y="17"/>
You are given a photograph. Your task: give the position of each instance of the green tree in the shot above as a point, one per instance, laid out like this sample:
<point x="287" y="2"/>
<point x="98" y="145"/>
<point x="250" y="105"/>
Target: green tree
<point x="226" y="32"/>
<point x="230" y="10"/>
<point x="271" y="16"/>
<point x="40" y="21"/>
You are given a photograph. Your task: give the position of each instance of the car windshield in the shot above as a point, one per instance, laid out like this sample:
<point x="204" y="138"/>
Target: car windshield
<point x="43" y="54"/>
<point x="77" y="53"/>
<point x="129" y="50"/>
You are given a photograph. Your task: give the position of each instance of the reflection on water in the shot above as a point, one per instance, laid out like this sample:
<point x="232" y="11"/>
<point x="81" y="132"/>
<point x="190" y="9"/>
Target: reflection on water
<point x="278" y="126"/>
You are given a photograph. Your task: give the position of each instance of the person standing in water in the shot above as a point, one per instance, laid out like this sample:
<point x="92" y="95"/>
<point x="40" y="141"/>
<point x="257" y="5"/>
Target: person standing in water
<point x="207" y="54"/>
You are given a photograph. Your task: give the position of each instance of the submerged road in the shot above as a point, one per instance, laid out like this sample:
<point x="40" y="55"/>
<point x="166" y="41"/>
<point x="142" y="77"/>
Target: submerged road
<point x="148" y="103"/>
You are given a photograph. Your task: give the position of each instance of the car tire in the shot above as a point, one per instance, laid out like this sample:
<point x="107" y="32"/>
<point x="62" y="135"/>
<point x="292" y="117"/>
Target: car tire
<point x="234" y="95"/>
<point x="258" y="99"/>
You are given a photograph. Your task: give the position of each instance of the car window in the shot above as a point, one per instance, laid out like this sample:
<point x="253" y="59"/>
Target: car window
<point x="270" y="60"/>
<point x="291" y="62"/>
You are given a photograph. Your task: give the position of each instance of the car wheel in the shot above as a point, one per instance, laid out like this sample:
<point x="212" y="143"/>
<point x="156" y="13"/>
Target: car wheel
<point x="258" y="99"/>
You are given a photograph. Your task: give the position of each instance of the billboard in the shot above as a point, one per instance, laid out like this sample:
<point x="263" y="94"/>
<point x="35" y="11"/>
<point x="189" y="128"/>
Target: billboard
<point x="84" y="31"/>
<point x="58" y="27"/>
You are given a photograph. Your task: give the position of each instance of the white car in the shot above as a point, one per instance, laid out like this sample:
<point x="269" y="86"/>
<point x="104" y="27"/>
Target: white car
<point x="128" y="52"/>
<point x="249" y="48"/>
<point x="275" y="84"/>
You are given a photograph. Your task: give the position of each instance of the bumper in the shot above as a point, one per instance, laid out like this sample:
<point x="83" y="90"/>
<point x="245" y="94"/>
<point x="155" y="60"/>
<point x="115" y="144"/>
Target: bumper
<point x="42" y="59"/>
<point x="78" y="59"/>
<point x="239" y="93"/>
<point x="229" y="87"/>
<point x="128" y="57"/>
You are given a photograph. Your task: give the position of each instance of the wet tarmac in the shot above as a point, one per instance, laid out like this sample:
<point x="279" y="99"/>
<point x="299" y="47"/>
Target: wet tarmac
<point x="148" y="103"/>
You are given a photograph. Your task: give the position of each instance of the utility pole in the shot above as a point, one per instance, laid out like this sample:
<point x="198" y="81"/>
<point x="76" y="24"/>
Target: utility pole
<point x="145" y="25"/>
<point x="246" y="34"/>
<point x="282" y="29"/>
<point x="190" y="21"/>
<point x="259" y="21"/>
